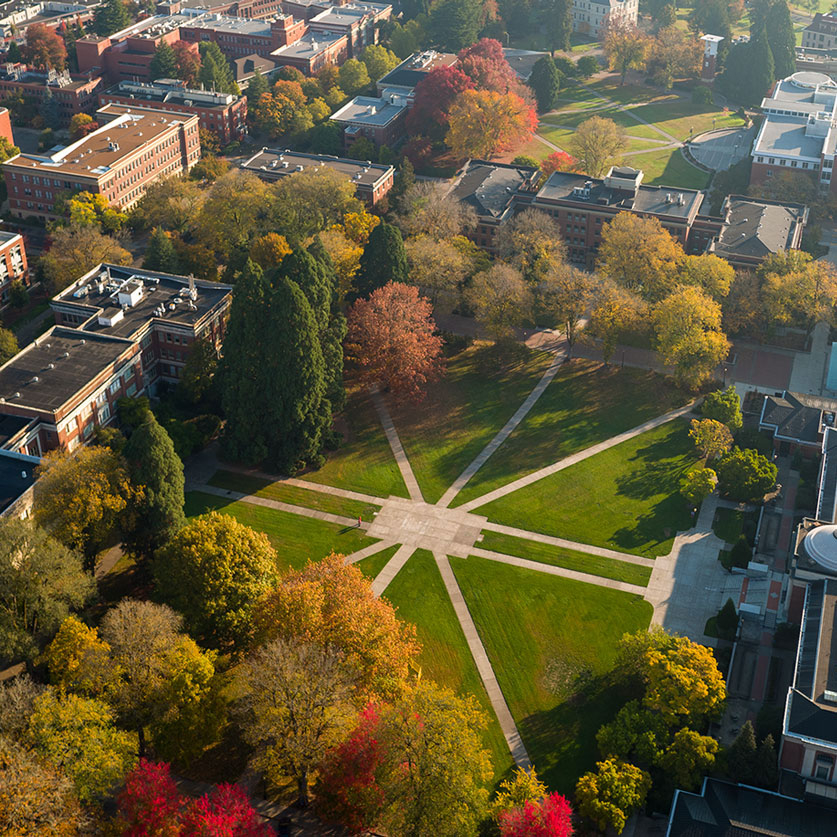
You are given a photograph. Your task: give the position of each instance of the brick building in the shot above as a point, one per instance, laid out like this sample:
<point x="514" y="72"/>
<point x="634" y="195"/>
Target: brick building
<point x="380" y="120"/>
<point x="17" y="15"/>
<point x="404" y="78"/>
<point x="313" y="51"/>
<point x="119" y="331"/>
<point x="119" y="160"/>
<point x="237" y="37"/>
<point x="372" y="180"/>
<point x="250" y="9"/>
<point x="358" y="21"/>
<point x="6" y="126"/>
<point x="222" y="113"/>
<point x="13" y="264"/>
<point x="72" y="93"/>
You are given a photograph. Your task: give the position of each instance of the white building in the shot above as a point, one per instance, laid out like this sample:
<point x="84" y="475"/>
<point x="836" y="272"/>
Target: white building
<point x="590" y="16"/>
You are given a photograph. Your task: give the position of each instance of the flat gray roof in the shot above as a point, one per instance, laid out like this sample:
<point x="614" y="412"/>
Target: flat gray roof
<point x="786" y="135"/>
<point x="366" y="110"/>
<point x="311" y="43"/>
<point x="273" y="164"/>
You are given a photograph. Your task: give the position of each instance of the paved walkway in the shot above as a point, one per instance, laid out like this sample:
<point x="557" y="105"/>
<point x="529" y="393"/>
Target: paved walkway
<point x="397" y="448"/>
<point x="808" y="374"/>
<point x="372" y="549"/>
<point x="535" y="476"/>
<point x="489" y="679"/>
<point x="504" y="434"/>
<point x="390" y="570"/>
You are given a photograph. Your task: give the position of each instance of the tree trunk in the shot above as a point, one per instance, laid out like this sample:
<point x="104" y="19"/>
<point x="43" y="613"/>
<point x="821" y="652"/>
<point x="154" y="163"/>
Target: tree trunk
<point x="141" y="741"/>
<point x="302" y="786"/>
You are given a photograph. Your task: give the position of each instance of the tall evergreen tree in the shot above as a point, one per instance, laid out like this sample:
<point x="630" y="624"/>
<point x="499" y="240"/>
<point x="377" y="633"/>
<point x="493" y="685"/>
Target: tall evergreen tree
<point x="384" y="260"/>
<point x="545" y="82"/>
<point x="404" y="177"/>
<point x="111" y="17"/>
<point x="13" y="54"/>
<point x="761" y="68"/>
<point x="455" y="24"/>
<point x="741" y="755"/>
<point x="49" y="109"/>
<point x="216" y="73"/>
<point x="296" y="412"/>
<point x="241" y="366"/>
<point x="781" y="36"/>
<point x="164" y="62"/>
<point x="560" y="25"/>
<point x="258" y="85"/>
<point x="160" y="253"/>
<point x="154" y="465"/>
<point x="767" y="763"/>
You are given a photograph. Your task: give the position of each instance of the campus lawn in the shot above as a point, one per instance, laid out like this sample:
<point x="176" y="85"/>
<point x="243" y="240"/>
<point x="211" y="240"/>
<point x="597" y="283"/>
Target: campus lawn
<point x="729" y="524"/>
<point x="577" y="96"/>
<point x="669" y="167"/>
<point x="626" y="94"/>
<point x="364" y="461"/>
<point x="296" y="539"/>
<point x="625" y="498"/>
<point x="373" y="564"/>
<point x="569" y="121"/>
<point x="421" y="598"/>
<point x="585" y="403"/>
<point x="246" y="484"/>
<point x="463" y="412"/>
<point x="551" y="642"/>
<point x="534" y="148"/>
<point x="679" y="117"/>
<point x="570" y="559"/>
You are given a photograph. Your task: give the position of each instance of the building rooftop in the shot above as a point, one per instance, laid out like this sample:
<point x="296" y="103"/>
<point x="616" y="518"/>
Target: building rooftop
<point x="94" y="154"/>
<point x="309" y="45"/>
<point x="786" y="135"/>
<point x="522" y="61"/>
<point x="273" y="164"/>
<point x="665" y="201"/>
<point x="258" y="28"/>
<point x="490" y="188"/>
<point x="365" y="110"/>
<point x="723" y="809"/>
<point x="47" y="373"/>
<point x="6" y="236"/>
<point x="245" y="68"/>
<point x="798" y="417"/>
<point x="413" y="69"/>
<point x="120" y="301"/>
<point x="340" y="16"/>
<point x="50" y="78"/>
<point x="757" y="228"/>
<point x="17" y="475"/>
<point x="172" y="90"/>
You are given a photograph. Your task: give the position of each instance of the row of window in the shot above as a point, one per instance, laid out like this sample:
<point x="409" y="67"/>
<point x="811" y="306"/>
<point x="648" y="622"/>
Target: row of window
<point x="780" y="161"/>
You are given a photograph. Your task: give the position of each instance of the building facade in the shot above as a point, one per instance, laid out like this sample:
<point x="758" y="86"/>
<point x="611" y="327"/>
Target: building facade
<point x="372" y="180"/>
<point x="222" y="113"/>
<point x="118" y="332"/>
<point x="821" y="32"/>
<point x="381" y="120"/>
<point x="72" y="94"/>
<point x="590" y="17"/>
<point x="120" y="160"/>
<point x="13" y="264"/>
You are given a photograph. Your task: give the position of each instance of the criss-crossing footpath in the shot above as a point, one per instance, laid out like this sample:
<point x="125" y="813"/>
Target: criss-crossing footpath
<point x="415" y="524"/>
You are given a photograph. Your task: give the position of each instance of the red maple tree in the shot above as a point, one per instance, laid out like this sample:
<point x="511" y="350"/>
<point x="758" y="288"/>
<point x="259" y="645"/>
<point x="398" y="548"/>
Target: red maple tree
<point x="486" y="65"/>
<point x="434" y="95"/>
<point x="559" y="161"/>
<point x="391" y="337"/>
<point x="347" y="789"/>
<point x="149" y="803"/>
<point x="224" y="812"/>
<point x="44" y="48"/>
<point x="551" y="817"/>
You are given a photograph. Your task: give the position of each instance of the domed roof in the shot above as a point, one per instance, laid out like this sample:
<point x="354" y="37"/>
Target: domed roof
<point x="820" y="545"/>
<point x="806" y="78"/>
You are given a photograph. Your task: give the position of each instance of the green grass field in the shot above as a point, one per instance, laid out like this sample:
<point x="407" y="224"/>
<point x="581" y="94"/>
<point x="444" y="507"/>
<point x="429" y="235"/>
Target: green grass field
<point x="567" y="558"/>
<point x="681" y="117"/>
<point x="364" y="462"/>
<point x="284" y="493"/>
<point x="625" y="498"/>
<point x="373" y="564"/>
<point x="462" y="413"/>
<point x="420" y="596"/>
<point x="551" y="642"/>
<point x="669" y="168"/>
<point x="296" y="539"/>
<point x="584" y="404"/>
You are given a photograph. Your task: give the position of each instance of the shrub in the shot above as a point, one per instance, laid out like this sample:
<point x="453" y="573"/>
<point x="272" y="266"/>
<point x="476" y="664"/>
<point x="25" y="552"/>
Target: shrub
<point x="701" y="95"/>
<point x="740" y="554"/>
<point x="727" y="621"/>
<point x="586" y="67"/>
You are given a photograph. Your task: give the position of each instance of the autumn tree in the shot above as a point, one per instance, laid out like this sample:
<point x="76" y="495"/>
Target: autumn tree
<point x="597" y="144"/>
<point x="434" y="768"/>
<point x="149" y="802"/>
<point x="746" y="475"/>
<point x="614" y="311"/>
<point x="378" y="60"/>
<point x="78" y="736"/>
<point x="36" y="798"/>
<point x="172" y="204"/>
<point x="563" y="296"/>
<point x="713" y="275"/>
<point x="551" y="817"/>
<point x="81" y="498"/>
<point x="213" y="571"/>
<point x="187" y="62"/>
<point x="689" y="336"/>
<point x="438" y="269"/>
<point x="697" y="485"/>
<point x="639" y="255"/>
<point x="688" y="758"/>
<point x="81" y="124"/>
<point x="484" y="122"/>
<point x="558" y="161"/>
<point x="674" y="54"/>
<point x="224" y="810"/>
<point x="268" y="250"/>
<point x="298" y="704"/>
<point x="44" y="48"/>
<point x="532" y="243"/>
<point x="18" y="694"/>
<point x="800" y="297"/>
<point x="77" y="660"/>
<point x="347" y="790"/>
<point x="515" y="791"/>
<point x="486" y="65"/>
<point x="428" y="208"/>
<point x="637" y="734"/>
<point x="393" y="342"/>
<point x="724" y="406"/>
<point x="611" y="794"/>
<point x="333" y="604"/>
<point x="434" y="95"/>
<point x="41" y="580"/>
<point x="625" y="46"/>
<point x="711" y="438"/>
<point x="683" y="682"/>
<point x="501" y="299"/>
<point x="76" y="249"/>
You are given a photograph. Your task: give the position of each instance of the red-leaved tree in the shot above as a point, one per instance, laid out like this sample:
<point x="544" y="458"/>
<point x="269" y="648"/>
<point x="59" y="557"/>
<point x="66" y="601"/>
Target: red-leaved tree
<point x="551" y="817"/>
<point x="224" y="812"/>
<point x="391" y="337"/>
<point x="188" y="62"/>
<point x="44" y="48"/>
<point x="486" y="65"/>
<point x="347" y="790"/>
<point x="149" y="803"/>
<point x="559" y="161"/>
<point x="434" y="95"/>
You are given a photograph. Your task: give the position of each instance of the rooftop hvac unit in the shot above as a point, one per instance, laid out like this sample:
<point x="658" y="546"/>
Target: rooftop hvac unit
<point x="830" y="696"/>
